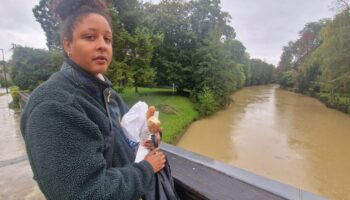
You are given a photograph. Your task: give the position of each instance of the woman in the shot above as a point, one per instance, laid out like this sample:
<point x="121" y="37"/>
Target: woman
<point x="71" y="127"/>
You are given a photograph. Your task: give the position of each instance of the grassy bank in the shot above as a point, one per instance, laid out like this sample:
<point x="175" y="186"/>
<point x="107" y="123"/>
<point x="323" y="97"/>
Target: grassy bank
<point x="176" y="112"/>
<point x="336" y="101"/>
<point x="339" y="102"/>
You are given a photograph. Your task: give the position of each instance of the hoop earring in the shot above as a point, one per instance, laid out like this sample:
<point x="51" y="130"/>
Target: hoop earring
<point x="69" y="53"/>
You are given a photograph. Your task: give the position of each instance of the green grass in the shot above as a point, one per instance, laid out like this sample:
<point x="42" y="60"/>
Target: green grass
<point x="2" y="94"/>
<point x="341" y="99"/>
<point x="175" y="112"/>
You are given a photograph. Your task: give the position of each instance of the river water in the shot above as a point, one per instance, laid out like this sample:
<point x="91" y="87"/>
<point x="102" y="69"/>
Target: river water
<point x="278" y="134"/>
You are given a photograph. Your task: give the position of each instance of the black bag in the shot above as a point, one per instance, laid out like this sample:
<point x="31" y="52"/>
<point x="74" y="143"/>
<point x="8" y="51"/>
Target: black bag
<point x="164" y="186"/>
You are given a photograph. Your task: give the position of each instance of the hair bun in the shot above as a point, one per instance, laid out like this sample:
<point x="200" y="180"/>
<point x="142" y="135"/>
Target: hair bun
<point x="65" y="8"/>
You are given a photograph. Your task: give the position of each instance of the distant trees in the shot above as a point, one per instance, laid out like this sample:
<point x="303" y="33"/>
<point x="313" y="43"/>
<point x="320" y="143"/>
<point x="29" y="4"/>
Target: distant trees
<point x="320" y="56"/>
<point x="333" y="54"/>
<point x="30" y="67"/>
<point x="43" y="14"/>
<point x="261" y="72"/>
<point x="318" y="62"/>
<point x="199" y="49"/>
<point x="186" y="43"/>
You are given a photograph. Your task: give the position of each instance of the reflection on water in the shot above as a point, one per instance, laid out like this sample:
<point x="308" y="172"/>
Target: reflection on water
<point x="281" y="135"/>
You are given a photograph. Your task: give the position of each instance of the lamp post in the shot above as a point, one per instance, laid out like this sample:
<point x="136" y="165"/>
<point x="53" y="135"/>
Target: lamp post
<point x="3" y="61"/>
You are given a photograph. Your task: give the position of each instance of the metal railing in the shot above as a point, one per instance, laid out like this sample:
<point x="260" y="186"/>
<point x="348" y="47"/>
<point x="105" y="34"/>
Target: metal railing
<point x="199" y="177"/>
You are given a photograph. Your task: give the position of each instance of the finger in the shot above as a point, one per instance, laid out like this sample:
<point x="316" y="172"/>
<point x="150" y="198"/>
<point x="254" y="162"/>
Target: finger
<point x="154" y="150"/>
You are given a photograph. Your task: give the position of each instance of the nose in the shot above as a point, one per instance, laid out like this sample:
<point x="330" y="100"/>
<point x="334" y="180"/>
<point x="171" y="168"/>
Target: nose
<point x="101" y="44"/>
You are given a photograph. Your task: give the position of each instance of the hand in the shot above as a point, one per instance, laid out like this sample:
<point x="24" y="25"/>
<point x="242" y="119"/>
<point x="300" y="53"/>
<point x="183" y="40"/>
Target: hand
<point x="149" y="144"/>
<point x="157" y="160"/>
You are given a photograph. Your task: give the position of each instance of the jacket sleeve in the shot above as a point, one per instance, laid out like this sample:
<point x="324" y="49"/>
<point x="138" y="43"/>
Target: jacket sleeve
<point x="65" y="152"/>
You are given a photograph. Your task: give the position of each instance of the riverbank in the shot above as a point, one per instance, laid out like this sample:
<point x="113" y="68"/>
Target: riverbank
<point x="177" y="112"/>
<point x="337" y="102"/>
<point x="282" y="135"/>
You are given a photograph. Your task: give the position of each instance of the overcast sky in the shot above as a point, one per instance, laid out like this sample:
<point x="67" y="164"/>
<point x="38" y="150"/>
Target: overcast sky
<point x="264" y="26"/>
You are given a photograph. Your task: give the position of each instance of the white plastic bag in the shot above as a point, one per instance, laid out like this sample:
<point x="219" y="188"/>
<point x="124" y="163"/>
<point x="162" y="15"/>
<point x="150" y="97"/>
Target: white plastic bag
<point x="134" y="121"/>
<point x="134" y="124"/>
<point x="145" y="135"/>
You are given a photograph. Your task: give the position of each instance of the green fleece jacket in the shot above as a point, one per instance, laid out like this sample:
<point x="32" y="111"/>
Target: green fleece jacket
<point x="66" y="125"/>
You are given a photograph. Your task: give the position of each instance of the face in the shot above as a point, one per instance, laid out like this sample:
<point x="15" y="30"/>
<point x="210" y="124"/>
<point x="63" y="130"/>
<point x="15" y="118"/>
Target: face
<point x="91" y="44"/>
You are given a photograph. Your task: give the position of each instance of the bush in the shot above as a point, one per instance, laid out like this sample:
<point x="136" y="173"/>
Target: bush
<point x="207" y="103"/>
<point x="287" y="79"/>
<point x="3" y="84"/>
<point x="323" y="97"/>
<point x="14" y="90"/>
<point x="119" y="89"/>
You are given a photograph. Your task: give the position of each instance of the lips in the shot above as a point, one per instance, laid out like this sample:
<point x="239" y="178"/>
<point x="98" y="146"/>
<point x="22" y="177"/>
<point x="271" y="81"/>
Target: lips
<point x="100" y="59"/>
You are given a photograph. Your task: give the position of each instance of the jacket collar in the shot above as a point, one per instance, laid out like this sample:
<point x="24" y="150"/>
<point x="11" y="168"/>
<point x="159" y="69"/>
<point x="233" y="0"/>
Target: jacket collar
<point x="81" y="77"/>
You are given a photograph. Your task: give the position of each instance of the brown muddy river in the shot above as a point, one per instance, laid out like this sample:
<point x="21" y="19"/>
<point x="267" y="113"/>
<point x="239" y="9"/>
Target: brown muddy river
<point x="278" y="134"/>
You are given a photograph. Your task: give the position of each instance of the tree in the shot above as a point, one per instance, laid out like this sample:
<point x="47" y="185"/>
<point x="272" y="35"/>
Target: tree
<point x="172" y="59"/>
<point x="287" y="58"/>
<point x="309" y="40"/>
<point x="341" y="5"/>
<point x="215" y="70"/>
<point x="140" y="58"/>
<point x="334" y="51"/>
<point x="261" y="72"/>
<point x="30" y="67"/>
<point x="206" y="15"/>
<point x="43" y="14"/>
<point x="288" y="78"/>
<point x="128" y="12"/>
<point x="239" y="55"/>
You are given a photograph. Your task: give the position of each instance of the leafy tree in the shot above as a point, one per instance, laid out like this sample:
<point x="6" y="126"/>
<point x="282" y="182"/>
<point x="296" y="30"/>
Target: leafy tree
<point x="207" y="103"/>
<point x="129" y="13"/>
<point x="239" y="55"/>
<point x="261" y="72"/>
<point x="300" y="56"/>
<point x="30" y="67"/>
<point x="44" y="15"/>
<point x="287" y="79"/>
<point x="310" y="71"/>
<point x="287" y="59"/>
<point x="140" y="58"/>
<point x="214" y="69"/>
<point x="309" y="40"/>
<point x="206" y="15"/>
<point x="334" y="52"/>
<point x="341" y="5"/>
<point x="172" y="57"/>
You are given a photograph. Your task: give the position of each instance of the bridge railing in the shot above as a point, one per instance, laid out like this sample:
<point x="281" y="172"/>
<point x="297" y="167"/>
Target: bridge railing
<point x="23" y="99"/>
<point x="199" y="177"/>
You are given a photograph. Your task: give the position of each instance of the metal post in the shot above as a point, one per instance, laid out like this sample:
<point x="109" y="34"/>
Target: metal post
<point x="3" y="60"/>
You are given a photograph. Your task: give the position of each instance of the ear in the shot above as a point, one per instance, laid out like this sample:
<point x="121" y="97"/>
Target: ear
<point x="66" y="45"/>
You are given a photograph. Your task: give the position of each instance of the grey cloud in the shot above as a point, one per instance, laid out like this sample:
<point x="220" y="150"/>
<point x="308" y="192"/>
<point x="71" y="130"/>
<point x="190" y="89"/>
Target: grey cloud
<point x="18" y="25"/>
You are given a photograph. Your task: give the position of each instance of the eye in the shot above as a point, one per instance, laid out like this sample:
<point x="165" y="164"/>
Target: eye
<point x="90" y="37"/>
<point x="108" y="40"/>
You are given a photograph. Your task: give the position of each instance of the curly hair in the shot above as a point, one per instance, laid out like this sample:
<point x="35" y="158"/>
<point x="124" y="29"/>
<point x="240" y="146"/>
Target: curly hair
<point x="71" y="12"/>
